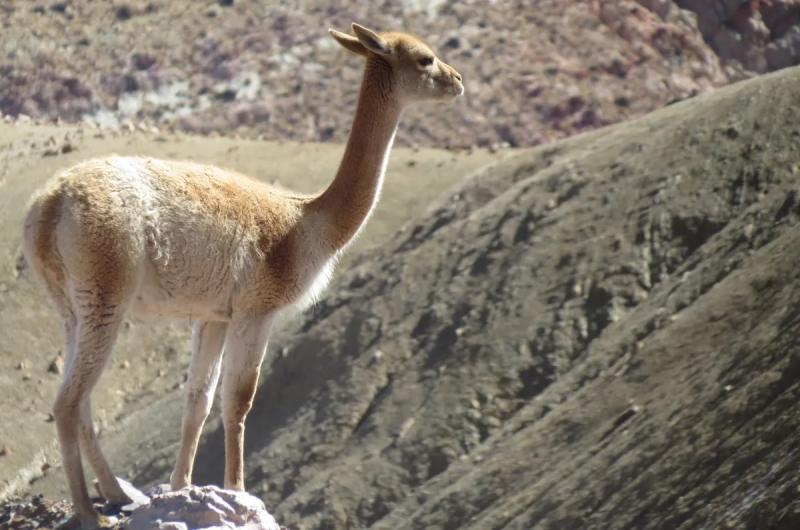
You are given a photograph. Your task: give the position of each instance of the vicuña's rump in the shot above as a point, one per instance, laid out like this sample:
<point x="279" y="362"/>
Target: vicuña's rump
<point x="179" y="239"/>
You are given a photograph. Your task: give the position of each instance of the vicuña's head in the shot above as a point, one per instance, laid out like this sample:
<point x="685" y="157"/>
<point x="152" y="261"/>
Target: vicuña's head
<point x="413" y="71"/>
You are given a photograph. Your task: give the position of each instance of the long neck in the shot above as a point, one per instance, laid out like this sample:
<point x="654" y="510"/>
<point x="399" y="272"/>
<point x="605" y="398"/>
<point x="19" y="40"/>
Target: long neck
<point x="347" y="203"/>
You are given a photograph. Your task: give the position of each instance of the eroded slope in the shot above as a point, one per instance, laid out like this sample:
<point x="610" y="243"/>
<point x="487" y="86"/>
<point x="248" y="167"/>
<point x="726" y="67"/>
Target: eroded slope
<point x="598" y="333"/>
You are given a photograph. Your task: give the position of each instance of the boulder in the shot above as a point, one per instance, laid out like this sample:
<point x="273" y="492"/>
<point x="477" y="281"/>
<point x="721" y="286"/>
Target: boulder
<point x="196" y="508"/>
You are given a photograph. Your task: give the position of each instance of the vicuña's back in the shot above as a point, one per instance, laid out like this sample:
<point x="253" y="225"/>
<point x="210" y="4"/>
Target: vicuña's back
<point x="187" y="240"/>
<point x="197" y="241"/>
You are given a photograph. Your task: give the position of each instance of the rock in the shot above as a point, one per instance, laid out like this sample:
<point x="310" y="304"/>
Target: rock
<point x="57" y="364"/>
<point x="377" y="355"/>
<point x="755" y="34"/>
<point x="173" y="526"/>
<point x="659" y="7"/>
<point x="138" y="499"/>
<point x="159" y="489"/>
<point x="34" y="513"/>
<point x="124" y="13"/>
<point x="142" y="61"/>
<point x="196" y="508"/>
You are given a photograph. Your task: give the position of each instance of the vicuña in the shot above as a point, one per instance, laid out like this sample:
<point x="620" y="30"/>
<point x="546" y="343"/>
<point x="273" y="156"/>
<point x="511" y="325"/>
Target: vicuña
<point x="120" y="234"/>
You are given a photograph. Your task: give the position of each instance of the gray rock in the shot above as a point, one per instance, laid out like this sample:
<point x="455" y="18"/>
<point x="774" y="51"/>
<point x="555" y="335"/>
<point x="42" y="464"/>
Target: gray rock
<point x="659" y="7"/>
<point x="196" y="508"/>
<point x="138" y="499"/>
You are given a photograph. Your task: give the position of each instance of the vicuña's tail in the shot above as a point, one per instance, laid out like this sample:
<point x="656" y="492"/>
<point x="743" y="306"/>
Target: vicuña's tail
<point x="39" y="241"/>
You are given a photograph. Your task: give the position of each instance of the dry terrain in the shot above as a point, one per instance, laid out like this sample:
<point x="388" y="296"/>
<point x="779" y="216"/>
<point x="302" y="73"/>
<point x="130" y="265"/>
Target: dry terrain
<point x="597" y="333"/>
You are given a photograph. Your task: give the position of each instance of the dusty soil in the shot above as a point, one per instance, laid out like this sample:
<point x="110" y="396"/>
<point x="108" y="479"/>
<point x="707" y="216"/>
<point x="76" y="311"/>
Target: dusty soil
<point x="269" y="68"/>
<point x="598" y="333"/>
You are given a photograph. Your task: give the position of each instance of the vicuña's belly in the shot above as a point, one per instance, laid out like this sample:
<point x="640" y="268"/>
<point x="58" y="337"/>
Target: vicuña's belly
<point x="183" y="295"/>
<point x="215" y="287"/>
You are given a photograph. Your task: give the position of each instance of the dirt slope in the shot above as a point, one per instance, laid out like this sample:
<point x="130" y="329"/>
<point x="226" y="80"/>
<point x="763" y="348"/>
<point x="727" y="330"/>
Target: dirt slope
<point x="599" y="333"/>
<point x="151" y="357"/>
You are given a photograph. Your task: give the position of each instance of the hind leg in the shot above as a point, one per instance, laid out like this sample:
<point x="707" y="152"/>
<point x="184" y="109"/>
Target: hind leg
<point x="109" y="487"/>
<point x="90" y="446"/>
<point x="96" y="327"/>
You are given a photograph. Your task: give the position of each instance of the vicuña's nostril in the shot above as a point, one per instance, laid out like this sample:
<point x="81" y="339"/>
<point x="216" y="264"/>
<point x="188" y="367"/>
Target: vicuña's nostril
<point x="457" y="76"/>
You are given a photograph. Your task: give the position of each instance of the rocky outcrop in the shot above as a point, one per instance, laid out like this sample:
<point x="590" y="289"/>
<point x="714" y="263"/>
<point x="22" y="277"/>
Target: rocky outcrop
<point x="201" y="508"/>
<point x="532" y="75"/>
<point x="192" y="508"/>
<point x="760" y="35"/>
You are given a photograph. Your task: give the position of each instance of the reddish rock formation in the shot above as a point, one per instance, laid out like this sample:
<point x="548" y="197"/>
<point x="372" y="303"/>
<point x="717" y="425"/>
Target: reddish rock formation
<point x="760" y="35"/>
<point x="532" y="75"/>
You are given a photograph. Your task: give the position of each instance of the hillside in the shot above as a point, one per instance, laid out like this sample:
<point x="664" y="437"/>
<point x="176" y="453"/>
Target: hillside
<point x="270" y="69"/>
<point x="597" y="333"/>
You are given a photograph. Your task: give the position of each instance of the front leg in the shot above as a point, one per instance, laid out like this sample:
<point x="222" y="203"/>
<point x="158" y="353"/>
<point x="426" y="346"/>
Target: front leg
<point x="245" y="345"/>
<point x="207" y="340"/>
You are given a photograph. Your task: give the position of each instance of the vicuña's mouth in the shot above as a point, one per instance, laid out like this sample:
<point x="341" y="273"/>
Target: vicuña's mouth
<point x="458" y="89"/>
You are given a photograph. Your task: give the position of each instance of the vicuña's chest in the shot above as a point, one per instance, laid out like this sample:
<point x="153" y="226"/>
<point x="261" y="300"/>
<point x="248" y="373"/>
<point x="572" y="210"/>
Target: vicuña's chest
<point x="294" y="273"/>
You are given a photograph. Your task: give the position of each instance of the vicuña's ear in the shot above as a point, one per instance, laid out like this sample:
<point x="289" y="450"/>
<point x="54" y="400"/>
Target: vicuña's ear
<point x="348" y="42"/>
<point x="371" y="40"/>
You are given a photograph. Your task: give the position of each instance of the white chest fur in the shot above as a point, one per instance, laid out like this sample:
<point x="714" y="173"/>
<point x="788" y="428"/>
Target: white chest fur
<point x="314" y="262"/>
<point x="317" y="284"/>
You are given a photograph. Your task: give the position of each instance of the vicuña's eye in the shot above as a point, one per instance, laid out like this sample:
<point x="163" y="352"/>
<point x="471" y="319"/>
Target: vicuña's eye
<point x="425" y="61"/>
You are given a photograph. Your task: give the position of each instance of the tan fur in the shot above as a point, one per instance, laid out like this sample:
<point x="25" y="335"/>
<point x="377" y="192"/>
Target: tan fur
<point x="39" y="238"/>
<point x="186" y="240"/>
